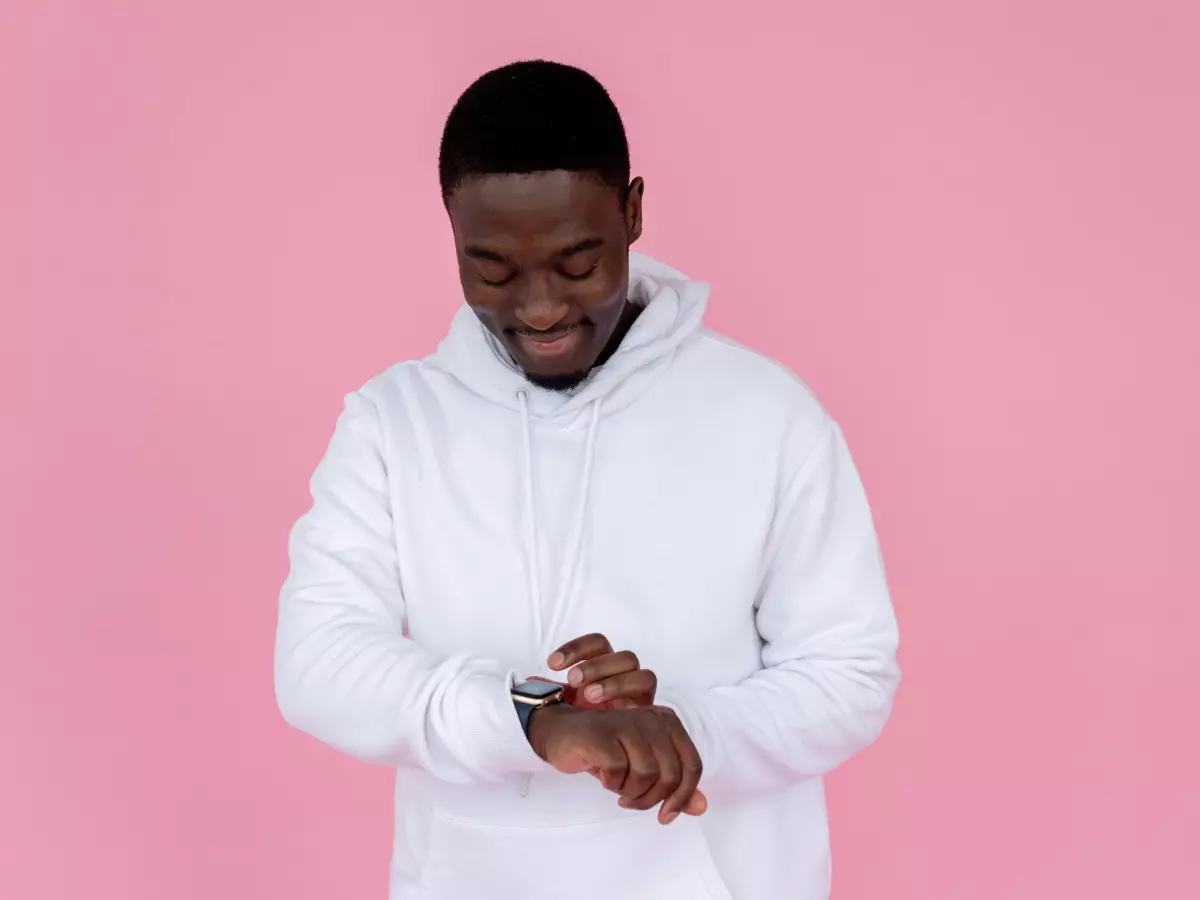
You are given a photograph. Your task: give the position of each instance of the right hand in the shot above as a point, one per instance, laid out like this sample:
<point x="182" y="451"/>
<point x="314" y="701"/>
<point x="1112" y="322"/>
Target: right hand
<point x="643" y="754"/>
<point x="601" y="678"/>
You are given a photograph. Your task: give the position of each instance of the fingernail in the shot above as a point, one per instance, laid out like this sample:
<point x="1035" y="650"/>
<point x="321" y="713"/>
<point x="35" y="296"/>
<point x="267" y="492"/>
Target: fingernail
<point x="671" y="817"/>
<point x="556" y="660"/>
<point x="595" y="692"/>
<point x="575" y="676"/>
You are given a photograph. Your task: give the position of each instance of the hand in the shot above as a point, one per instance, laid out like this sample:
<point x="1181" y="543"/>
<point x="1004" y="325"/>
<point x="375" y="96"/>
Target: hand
<point x="643" y="754"/>
<point x="602" y="679"/>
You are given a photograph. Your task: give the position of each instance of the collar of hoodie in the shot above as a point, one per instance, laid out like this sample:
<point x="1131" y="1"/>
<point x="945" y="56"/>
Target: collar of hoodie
<point x="674" y="310"/>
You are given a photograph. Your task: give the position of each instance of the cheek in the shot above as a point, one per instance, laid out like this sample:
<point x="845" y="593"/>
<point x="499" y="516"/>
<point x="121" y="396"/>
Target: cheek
<point x="488" y="313"/>
<point x="478" y="295"/>
<point x="602" y="294"/>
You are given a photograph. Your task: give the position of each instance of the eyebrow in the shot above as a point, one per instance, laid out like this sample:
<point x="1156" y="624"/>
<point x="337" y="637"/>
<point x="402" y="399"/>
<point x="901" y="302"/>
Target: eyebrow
<point x="492" y="256"/>
<point x="480" y="253"/>
<point x="583" y="247"/>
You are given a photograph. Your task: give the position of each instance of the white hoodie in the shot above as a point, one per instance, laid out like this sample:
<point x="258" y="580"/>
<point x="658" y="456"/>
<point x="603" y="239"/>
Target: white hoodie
<point x="691" y="501"/>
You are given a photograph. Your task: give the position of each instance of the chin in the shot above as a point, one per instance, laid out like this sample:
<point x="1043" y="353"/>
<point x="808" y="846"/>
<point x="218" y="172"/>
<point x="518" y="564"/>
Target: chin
<point x="560" y="374"/>
<point x="557" y="382"/>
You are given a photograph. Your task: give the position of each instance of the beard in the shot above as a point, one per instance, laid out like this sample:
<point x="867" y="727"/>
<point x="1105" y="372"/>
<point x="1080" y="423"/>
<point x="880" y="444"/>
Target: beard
<point x="560" y="383"/>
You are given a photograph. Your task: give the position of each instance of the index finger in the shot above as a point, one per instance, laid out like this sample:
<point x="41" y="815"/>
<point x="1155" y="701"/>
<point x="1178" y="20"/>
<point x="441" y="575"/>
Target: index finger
<point x="686" y="797"/>
<point x="581" y="648"/>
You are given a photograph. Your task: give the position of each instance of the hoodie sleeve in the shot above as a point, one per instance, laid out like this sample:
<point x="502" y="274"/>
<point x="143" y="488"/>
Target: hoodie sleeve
<point x="345" y="673"/>
<point x="829" y="641"/>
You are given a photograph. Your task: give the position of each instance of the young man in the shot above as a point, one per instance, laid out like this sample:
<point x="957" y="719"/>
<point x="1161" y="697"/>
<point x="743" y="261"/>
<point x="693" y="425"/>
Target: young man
<point x="581" y="466"/>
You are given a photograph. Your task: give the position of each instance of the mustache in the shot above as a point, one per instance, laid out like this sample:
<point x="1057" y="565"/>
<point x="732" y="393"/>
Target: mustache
<point x="555" y="331"/>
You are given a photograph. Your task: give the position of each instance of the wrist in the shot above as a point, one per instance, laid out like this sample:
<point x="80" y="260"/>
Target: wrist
<point x="542" y="723"/>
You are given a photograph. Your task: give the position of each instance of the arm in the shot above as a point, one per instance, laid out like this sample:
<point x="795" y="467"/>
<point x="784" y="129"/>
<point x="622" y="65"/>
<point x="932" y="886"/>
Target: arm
<point x="829" y="641"/>
<point x="344" y="671"/>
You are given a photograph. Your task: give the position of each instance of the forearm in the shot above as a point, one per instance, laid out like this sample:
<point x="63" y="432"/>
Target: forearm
<point x="344" y="670"/>
<point x="829" y="638"/>
<point x="785" y="724"/>
<point x="364" y="689"/>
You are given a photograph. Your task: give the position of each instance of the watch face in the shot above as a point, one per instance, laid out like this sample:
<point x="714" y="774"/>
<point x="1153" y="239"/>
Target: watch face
<point x="536" y="690"/>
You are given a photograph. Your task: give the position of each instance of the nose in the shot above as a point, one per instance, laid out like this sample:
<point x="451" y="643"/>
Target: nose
<point x="540" y="309"/>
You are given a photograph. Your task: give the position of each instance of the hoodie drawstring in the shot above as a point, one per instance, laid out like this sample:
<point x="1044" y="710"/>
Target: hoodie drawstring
<point x="566" y="583"/>
<point x="545" y="631"/>
<point x="532" y="565"/>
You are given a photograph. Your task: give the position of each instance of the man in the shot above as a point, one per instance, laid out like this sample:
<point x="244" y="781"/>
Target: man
<point x="581" y="466"/>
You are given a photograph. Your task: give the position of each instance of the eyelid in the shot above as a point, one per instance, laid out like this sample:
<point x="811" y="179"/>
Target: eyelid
<point x="480" y="273"/>
<point x="581" y="275"/>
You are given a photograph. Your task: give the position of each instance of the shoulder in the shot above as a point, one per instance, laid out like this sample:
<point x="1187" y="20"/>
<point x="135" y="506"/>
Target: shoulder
<point x="380" y="410"/>
<point x="754" y="396"/>
<point x="736" y="376"/>
<point x="397" y="388"/>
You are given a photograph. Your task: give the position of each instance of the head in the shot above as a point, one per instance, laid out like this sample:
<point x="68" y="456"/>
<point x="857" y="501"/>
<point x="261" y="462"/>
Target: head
<point x="535" y="177"/>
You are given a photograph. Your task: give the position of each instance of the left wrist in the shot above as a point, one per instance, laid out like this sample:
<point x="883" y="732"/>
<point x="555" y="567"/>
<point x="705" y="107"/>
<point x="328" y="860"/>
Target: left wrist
<point x="533" y="695"/>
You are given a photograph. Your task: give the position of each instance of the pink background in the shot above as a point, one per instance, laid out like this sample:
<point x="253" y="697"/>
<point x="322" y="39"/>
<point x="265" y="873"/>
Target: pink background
<point x="972" y="227"/>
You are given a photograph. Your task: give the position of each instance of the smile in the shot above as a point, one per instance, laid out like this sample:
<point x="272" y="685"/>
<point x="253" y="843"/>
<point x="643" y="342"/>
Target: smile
<point x="559" y="343"/>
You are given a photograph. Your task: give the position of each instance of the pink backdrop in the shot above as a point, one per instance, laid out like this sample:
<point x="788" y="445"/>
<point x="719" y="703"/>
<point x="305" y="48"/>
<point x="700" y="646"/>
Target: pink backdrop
<point x="973" y="228"/>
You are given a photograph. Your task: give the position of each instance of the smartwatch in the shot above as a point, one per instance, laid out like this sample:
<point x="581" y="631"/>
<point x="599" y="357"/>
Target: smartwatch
<point x="530" y="695"/>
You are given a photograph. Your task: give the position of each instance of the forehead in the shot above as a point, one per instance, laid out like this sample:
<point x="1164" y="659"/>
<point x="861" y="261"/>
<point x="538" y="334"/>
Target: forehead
<point x="542" y="210"/>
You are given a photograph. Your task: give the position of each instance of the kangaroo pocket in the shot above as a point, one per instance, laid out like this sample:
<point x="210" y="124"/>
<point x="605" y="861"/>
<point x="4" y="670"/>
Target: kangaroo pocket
<point x="631" y="858"/>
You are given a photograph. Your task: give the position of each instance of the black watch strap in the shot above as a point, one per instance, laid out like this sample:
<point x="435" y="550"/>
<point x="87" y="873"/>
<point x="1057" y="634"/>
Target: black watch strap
<point x="532" y="695"/>
<point x="525" y="713"/>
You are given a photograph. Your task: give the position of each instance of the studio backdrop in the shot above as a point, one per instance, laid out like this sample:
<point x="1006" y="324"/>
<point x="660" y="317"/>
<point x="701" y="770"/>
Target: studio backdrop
<point x="971" y="227"/>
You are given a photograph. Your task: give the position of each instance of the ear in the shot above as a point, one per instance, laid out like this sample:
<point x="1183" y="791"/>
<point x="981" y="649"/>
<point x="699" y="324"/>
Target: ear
<point x="633" y="209"/>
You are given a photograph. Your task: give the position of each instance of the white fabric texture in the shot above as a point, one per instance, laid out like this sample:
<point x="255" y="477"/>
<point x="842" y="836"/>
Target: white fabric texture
<point x="693" y="502"/>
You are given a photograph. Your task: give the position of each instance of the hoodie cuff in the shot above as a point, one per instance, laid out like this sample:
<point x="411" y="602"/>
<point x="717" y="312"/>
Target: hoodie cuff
<point x="686" y="704"/>
<point x="494" y="730"/>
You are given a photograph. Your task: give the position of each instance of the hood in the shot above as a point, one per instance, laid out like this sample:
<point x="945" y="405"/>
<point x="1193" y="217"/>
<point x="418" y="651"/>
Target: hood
<point x="674" y="307"/>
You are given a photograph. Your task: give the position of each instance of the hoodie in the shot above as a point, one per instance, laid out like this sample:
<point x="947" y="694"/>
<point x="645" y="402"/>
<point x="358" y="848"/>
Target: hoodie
<point x="692" y="501"/>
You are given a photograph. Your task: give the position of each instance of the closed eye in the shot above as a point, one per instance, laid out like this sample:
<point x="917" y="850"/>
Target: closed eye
<point x="572" y="276"/>
<point x="501" y="283"/>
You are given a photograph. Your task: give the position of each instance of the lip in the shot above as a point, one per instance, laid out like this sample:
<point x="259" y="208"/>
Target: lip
<point x="547" y="347"/>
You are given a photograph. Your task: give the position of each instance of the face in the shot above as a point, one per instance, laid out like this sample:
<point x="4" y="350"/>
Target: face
<point x="544" y="263"/>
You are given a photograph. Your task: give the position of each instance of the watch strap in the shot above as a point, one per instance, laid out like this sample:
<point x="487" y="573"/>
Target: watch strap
<point x="525" y="713"/>
<point x="526" y="705"/>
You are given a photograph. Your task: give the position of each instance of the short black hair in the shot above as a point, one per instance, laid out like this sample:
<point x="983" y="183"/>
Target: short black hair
<point x="534" y="116"/>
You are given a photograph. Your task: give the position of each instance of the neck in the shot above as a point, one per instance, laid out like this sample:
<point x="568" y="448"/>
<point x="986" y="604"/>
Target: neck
<point x="628" y="316"/>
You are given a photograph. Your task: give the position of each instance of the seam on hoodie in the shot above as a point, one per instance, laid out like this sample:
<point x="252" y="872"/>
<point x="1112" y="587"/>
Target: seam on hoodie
<point x="804" y="469"/>
<point x="505" y="827"/>
<point x="721" y="340"/>
<point x="827" y="421"/>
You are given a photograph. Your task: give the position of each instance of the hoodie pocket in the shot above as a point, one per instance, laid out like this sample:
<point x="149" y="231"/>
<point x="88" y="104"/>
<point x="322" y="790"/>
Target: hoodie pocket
<point x="631" y="858"/>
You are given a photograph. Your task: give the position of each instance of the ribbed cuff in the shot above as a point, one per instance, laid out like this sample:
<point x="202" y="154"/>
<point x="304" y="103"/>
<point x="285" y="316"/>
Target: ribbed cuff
<point x="496" y="733"/>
